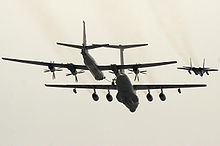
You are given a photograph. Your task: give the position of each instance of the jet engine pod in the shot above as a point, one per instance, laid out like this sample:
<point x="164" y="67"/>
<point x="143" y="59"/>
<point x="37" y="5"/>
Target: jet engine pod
<point x="95" y="97"/>
<point x="149" y="97"/>
<point x="109" y="97"/>
<point x="162" y="96"/>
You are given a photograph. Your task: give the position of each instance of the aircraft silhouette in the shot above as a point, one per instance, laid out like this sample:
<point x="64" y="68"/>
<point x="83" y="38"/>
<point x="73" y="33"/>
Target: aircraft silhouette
<point x="126" y="91"/>
<point x="198" y="70"/>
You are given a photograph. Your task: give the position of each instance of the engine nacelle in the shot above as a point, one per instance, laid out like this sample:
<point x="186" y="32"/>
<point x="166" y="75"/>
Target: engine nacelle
<point x="95" y="97"/>
<point x="109" y="97"/>
<point x="74" y="91"/>
<point x="149" y="97"/>
<point x="162" y="97"/>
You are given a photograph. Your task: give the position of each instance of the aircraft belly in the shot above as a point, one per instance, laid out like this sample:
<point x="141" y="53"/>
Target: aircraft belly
<point x="126" y="93"/>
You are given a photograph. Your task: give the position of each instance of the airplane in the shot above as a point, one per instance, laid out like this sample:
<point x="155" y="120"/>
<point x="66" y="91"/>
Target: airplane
<point x="126" y="91"/>
<point x="197" y="70"/>
<point x="89" y="61"/>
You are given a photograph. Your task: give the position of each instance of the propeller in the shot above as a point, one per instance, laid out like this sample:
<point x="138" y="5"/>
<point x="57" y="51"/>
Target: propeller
<point x="75" y="74"/>
<point x="136" y="72"/>
<point x="52" y="69"/>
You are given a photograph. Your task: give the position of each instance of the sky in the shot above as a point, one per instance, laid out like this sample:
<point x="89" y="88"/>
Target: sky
<point x="32" y="114"/>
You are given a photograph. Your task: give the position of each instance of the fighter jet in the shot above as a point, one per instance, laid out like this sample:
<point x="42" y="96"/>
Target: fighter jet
<point x="197" y="70"/>
<point x="126" y="91"/>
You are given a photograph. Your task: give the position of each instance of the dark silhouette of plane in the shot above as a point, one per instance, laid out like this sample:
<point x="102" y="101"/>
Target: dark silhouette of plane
<point x="126" y="91"/>
<point x="89" y="61"/>
<point x="197" y="70"/>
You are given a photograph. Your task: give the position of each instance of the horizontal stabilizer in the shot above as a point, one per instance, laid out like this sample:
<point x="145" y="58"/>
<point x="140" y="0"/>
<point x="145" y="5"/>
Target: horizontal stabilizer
<point x="70" y="45"/>
<point x="125" y="46"/>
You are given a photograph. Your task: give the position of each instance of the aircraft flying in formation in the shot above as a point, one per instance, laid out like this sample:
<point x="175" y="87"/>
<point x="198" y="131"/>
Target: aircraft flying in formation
<point x="197" y="70"/>
<point x="126" y="91"/>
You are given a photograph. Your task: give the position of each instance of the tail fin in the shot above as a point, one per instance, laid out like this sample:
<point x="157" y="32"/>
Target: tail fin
<point x="204" y="63"/>
<point x="84" y="34"/>
<point x="190" y="62"/>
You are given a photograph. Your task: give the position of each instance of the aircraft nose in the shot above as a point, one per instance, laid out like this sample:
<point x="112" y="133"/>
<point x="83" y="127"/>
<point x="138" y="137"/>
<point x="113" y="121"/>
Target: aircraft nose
<point x="133" y="107"/>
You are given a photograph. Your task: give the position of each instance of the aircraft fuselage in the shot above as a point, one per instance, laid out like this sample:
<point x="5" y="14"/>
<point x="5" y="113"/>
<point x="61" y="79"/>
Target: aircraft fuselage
<point x="126" y="93"/>
<point x="92" y="65"/>
<point x="198" y="71"/>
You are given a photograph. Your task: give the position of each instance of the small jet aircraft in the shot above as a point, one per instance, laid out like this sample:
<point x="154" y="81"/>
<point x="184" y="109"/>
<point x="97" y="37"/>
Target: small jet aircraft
<point x="197" y="70"/>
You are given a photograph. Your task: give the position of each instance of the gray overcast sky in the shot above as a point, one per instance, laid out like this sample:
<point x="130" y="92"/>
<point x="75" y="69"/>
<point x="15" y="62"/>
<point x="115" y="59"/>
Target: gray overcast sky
<point x="175" y="30"/>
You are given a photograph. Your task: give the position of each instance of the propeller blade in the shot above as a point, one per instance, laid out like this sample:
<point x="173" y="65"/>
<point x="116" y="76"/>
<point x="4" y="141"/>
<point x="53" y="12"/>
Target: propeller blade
<point x="46" y="70"/>
<point x="81" y="71"/>
<point x="58" y="69"/>
<point x="68" y="74"/>
<point x="143" y="71"/>
<point x="53" y="75"/>
<point x="135" y="77"/>
<point x="76" y="79"/>
<point x="111" y="72"/>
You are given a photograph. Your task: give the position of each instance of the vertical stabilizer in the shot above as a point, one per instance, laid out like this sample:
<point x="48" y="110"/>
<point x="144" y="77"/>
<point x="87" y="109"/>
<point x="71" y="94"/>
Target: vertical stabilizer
<point x="84" y="34"/>
<point x="190" y="62"/>
<point x="122" y="58"/>
<point x="204" y="63"/>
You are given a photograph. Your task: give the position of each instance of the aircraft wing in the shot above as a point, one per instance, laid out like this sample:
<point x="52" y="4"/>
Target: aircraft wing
<point x="210" y="69"/>
<point x="167" y="86"/>
<point x="41" y="63"/>
<point x="136" y="87"/>
<point x="131" y="66"/>
<point x="184" y="68"/>
<point x="110" y="87"/>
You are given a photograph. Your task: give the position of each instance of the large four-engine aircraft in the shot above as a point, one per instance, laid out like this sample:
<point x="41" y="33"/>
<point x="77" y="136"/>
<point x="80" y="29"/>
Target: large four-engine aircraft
<point x="90" y="64"/>
<point x="197" y="70"/>
<point x="96" y="70"/>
